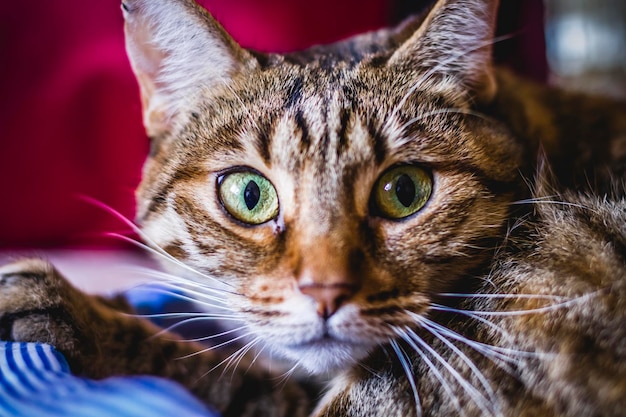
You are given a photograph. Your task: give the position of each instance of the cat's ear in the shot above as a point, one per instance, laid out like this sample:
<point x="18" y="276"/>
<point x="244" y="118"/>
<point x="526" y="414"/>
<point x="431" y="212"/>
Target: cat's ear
<point x="455" y="42"/>
<point x="176" y="49"/>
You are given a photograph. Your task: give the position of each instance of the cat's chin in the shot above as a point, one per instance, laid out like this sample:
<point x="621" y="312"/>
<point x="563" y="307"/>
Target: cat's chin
<point x="325" y="355"/>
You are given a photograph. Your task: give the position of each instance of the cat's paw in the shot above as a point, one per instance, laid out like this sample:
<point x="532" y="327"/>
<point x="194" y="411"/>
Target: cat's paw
<point x="35" y="304"/>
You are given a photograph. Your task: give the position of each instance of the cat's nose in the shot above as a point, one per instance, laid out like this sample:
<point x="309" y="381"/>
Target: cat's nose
<point x="329" y="297"/>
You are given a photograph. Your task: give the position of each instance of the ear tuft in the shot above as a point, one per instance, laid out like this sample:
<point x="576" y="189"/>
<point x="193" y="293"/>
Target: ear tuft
<point x="455" y="42"/>
<point x="176" y="49"/>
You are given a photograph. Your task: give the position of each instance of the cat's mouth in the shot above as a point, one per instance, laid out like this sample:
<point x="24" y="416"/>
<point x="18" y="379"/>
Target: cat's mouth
<point x="326" y="351"/>
<point x="326" y="354"/>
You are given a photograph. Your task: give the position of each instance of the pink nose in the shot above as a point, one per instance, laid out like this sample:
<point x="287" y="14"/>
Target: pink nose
<point x="329" y="297"/>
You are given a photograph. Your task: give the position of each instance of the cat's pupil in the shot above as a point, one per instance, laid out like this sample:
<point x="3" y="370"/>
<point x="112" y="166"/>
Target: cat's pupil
<point x="251" y="195"/>
<point x="405" y="190"/>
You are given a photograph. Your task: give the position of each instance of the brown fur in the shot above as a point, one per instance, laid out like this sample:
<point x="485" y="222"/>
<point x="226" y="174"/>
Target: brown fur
<point x="535" y="327"/>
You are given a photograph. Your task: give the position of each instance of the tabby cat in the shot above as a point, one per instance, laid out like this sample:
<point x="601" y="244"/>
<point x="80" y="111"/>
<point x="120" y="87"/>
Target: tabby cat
<point x="430" y="235"/>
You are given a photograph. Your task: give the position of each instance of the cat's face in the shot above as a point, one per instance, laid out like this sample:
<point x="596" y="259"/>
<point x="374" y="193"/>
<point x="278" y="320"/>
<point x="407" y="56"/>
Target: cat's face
<point x="334" y="200"/>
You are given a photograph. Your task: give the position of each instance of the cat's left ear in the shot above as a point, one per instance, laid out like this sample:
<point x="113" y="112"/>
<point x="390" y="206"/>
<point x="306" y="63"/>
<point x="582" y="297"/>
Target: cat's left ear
<point x="455" y="43"/>
<point x="177" y="49"/>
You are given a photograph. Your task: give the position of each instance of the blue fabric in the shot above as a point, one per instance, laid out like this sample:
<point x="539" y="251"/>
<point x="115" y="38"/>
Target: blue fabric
<point x="35" y="381"/>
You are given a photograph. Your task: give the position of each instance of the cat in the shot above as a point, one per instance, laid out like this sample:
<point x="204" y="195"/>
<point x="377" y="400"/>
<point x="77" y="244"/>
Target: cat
<point x="431" y="234"/>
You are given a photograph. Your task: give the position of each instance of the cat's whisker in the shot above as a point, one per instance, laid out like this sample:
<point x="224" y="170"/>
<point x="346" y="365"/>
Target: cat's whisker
<point x="503" y="352"/>
<point x="213" y="317"/>
<point x="438" y="375"/>
<point x="162" y="276"/>
<point x="178" y="295"/>
<point x="215" y="336"/>
<point x="153" y="247"/>
<point x="178" y="288"/>
<point x="481" y="377"/>
<point x="159" y="252"/>
<point x="557" y="202"/>
<point x="282" y="380"/>
<point x="369" y="369"/>
<point x="210" y="348"/>
<point x="479" y="399"/>
<point x="234" y="360"/>
<point x="506" y="362"/>
<point x="538" y="310"/>
<point x="256" y="356"/>
<point x="405" y="362"/>
<point x="198" y="297"/>
<point x="169" y="315"/>
<point x="503" y="296"/>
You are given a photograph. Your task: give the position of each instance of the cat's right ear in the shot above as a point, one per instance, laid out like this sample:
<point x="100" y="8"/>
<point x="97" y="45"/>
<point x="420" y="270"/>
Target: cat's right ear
<point x="176" y="49"/>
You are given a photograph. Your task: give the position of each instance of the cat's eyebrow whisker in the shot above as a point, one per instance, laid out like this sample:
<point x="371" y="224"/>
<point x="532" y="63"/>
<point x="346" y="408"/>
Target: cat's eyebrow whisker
<point x="243" y="106"/>
<point x="426" y="76"/>
<point x="479" y="399"/>
<point x="443" y="111"/>
<point x="406" y="365"/>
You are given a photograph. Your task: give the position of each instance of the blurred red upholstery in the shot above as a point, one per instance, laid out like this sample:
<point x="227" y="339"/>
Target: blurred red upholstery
<point x="70" y="122"/>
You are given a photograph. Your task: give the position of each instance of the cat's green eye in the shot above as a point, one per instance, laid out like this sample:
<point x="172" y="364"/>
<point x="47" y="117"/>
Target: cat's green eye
<point x="401" y="191"/>
<point x="248" y="196"/>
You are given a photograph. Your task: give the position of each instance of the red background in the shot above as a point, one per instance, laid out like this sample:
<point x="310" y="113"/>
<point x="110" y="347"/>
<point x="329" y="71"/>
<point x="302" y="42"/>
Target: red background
<point x="70" y="122"/>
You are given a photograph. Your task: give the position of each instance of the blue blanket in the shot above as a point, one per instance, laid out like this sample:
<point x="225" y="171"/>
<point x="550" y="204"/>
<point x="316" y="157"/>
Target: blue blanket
<point x="35" y="381"/>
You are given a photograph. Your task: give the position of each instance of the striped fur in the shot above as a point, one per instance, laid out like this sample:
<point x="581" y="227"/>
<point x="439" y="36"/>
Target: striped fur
<point x="464" y="307"/>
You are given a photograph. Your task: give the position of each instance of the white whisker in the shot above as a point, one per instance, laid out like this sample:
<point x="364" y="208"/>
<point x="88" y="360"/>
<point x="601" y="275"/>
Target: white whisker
<point x="235" y="359"/>
<point x="503" y="296"/>
<point x="213" y="317"/>
<point x="479" y="399"/>
<point x="556" y="202"/>
<point x="546" y="309"/>
<point x="153" y="247"/>
<point x="179" y="296"/>
<point x="481" y="378"/>
<point x="214" y="336"/>
<point x="162" y="276"/>
<point x="210" y="348"/>
<point x="405" y="363"/>
<point x="159" y="252"/>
